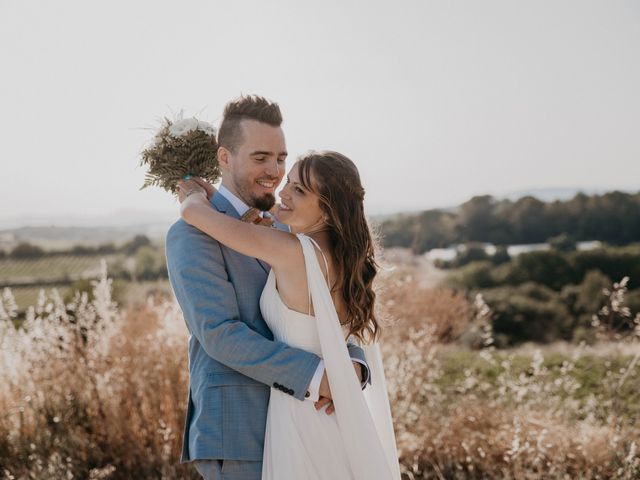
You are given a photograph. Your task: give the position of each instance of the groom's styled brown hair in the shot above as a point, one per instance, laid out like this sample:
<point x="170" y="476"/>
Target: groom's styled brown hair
<point x="246" y="107"/>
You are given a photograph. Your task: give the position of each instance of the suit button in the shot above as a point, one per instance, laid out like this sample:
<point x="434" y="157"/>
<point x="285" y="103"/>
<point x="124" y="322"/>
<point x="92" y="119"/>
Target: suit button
<point x="276" y="385"/>
<point x="290" y="391"/>
<point x="307" y="395"/>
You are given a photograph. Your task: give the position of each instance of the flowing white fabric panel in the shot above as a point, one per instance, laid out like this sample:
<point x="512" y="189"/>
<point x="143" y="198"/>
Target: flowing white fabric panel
<point x="366" y="425"/>
<point x="378" y="402"/>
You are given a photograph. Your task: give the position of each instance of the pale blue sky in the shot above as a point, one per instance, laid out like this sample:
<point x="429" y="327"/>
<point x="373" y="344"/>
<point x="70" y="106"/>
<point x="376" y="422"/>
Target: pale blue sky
<point x="434" y="100"/>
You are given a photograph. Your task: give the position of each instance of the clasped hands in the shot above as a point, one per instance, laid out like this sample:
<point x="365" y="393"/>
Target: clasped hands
<point x="325" y="391"/>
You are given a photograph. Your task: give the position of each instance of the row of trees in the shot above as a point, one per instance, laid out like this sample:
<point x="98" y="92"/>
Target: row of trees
<point x="613" y="218"/>
<point x="553" y="268"/>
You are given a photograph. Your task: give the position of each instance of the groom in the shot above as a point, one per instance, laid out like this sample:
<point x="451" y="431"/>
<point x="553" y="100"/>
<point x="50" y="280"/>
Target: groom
<point x="233" y="357"/>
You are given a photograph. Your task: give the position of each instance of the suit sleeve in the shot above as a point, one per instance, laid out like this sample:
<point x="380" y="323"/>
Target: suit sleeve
<point x="208" y="301"/>
<point x="357" y="355"/>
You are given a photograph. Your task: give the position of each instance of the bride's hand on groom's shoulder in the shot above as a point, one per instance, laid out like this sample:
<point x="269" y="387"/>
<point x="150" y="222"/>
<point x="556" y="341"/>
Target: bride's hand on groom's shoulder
<point x="208" y="188"/>
<point x="192" y="197"/>
<point x="193" y="185"/>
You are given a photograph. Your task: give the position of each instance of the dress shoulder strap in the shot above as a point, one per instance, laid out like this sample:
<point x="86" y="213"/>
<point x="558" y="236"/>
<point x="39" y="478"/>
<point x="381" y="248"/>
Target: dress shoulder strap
<point x="326" y="263"/>
<point x="302" y="237"/>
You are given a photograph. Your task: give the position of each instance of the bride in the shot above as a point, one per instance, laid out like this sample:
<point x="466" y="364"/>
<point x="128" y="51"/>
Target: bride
<point x="319" y="292"/>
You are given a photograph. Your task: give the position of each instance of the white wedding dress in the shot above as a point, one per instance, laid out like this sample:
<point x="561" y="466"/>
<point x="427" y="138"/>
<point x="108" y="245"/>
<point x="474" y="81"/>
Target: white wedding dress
<point x="356" y="442"/>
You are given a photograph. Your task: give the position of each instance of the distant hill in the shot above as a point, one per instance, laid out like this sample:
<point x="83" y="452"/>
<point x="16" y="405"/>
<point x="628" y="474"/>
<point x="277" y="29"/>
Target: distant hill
<point x="59" y="232"/>
<point x="556" y="193"/>
<point x="59" y="238"/>
<point x="545" y="194"/>
<point x="122" y="218"/>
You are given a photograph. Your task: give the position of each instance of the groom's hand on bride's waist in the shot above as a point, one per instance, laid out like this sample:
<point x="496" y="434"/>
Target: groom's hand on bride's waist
<point x="325" y="401"/>
<point x="325" y="390"/>
<point x="325" y="396"/>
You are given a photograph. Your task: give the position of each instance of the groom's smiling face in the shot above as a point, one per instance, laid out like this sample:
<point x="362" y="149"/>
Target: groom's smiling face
<point x="255" y="168"/>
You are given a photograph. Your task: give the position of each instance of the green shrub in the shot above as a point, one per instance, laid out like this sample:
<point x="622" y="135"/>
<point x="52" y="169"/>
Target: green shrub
<point x="562" y="243"/>
<point x="132" y="246"/>
<point x="615" y="263"/>
<point x="550" y="268"/>
<point x="590" y="297"/>
<point x="474" y="275"/>
<point x="150" y="263"/>
<point x="471" y="252"/>
<point x="27" y="250"/>
<point x="632" y="300"/>
<point x="105" y="248"/>
<point x="118" y="290"/>
<point x="529" y="312"/>
<point x="501" y="255"/>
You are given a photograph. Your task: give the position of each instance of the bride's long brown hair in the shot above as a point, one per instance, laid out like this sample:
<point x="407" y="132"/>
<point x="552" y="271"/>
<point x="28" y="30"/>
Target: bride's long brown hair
<point x="336" y="181"/>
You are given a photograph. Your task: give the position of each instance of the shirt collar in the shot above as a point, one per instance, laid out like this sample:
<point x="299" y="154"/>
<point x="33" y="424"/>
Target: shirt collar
<point x="234" y="200"/>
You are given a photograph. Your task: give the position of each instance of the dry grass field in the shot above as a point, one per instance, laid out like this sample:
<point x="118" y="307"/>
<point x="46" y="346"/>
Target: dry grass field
<point x="94" y="391"/>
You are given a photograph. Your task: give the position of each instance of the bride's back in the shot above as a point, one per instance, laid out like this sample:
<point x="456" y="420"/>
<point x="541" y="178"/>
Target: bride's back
<point x="291" y="280"/>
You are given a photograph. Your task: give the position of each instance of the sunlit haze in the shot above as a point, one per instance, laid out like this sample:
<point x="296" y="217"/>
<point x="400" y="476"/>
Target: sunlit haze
<point x="435" y="101"/>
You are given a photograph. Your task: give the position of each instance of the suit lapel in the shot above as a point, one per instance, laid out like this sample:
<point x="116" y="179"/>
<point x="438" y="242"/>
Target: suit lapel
<point x="220" y="203"/>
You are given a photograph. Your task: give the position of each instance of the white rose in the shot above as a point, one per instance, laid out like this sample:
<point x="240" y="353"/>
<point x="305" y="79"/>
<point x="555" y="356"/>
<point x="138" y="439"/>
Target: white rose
<point x="155" y="140"/>
<point x="182" y="127"/>
<point x="206" y="128"/>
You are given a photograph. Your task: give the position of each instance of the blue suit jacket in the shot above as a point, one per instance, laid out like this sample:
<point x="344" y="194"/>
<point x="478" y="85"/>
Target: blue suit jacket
<point x="233" y="358"/>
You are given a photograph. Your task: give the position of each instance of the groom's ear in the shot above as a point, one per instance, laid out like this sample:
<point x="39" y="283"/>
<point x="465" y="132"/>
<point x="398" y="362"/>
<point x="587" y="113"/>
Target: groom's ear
<point x="223" y="158"/>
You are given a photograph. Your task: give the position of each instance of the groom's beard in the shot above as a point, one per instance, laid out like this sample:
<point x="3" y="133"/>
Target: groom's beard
<point x="245" y="189"/>
<point x="249" y="192"/>
<point x="264" y="203"/>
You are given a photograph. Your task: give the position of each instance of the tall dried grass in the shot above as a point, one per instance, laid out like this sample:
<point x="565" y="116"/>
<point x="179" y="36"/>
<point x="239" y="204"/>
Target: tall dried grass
<point x="461" y="414"/>
<point x="405" y="304"/>
<point x="93" y="391"/>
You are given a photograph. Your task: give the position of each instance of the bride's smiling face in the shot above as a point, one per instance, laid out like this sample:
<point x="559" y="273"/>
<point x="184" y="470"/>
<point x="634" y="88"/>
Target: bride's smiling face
<point x="299" y="207"/>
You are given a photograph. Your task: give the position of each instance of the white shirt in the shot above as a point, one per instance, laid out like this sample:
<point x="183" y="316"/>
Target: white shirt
<point x="242" y="208"/>
<point x="234" y="200"/>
